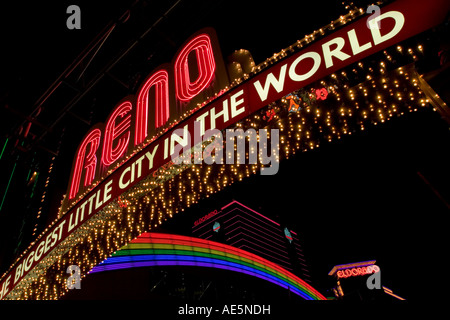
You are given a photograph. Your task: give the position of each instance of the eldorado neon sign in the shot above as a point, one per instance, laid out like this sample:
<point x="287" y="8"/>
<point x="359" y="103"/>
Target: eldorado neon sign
<point x="111" y="143"/>
<point x="359" y="271"/>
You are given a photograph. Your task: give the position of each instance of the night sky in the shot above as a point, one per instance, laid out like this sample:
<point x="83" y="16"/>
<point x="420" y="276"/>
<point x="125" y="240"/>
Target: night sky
<point x="372" y="195"/>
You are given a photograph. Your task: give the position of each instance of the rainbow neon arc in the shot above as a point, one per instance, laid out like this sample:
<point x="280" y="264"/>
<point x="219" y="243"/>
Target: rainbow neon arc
<point x="159" y="249"/>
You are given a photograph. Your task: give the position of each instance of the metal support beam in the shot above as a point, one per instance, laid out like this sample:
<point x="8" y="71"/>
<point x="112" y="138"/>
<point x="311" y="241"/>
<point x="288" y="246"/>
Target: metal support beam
<point x="435" y="100"/>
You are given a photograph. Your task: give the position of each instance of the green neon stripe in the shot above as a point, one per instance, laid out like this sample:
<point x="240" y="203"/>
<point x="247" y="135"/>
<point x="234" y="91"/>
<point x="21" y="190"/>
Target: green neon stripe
<point x="202" y="253"/>
<point x="172" y="247"/>
<point x="28" y="175"/>
<point x="4" y="147"/>
<point x="254" y="265"/>
<point x="208" y="253"/>
<point x="182" y="247"/>
<point x="7" y="187"/>
<point x="233" y="258"/>
<point x="190" y="248"/>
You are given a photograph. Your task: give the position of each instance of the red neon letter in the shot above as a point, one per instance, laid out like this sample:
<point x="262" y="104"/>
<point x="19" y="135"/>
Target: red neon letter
<point x="186" y="89"/>
<point x="119" y="131"/>
<point x="160" y="80"/>
<point x="89" y="162"/>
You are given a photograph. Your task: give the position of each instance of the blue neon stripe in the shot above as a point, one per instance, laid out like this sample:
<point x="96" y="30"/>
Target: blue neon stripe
<point x="201" y="264"/>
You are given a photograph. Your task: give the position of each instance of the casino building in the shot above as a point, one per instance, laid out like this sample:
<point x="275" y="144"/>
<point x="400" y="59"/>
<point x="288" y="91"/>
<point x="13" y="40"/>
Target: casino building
<point x="353" y="114"/>
<point x="242" y="227"/>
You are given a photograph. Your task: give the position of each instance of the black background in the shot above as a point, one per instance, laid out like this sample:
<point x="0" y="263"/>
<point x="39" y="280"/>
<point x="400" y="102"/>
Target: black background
<point x="356" y="199"/>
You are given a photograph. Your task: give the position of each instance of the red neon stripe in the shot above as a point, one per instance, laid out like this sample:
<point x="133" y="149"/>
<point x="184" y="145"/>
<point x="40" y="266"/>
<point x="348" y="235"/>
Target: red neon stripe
<point x="89" y="162"/>
<point x="280" y="255"/>
<point x="265" y="223"/>
<point x="160" y="80"/>
<point x="203" y="234"/>
<point x="272" y="240"/>
<point x="185" y="89"/>
<point x="112" y="131"/>
<point x="234" y="201"/>
<point x="242" y="246"/>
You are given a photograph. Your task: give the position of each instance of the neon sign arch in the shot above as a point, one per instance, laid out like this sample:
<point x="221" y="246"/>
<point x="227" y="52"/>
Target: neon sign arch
<point x="158" y="249"/>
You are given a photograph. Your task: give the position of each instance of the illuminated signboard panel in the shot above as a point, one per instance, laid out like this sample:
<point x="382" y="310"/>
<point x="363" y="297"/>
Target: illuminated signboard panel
<point x="346" y="46"/>
<point x="245" y="228"/>
<point x="155" y="249"/>
<point x="286" y="72"/>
